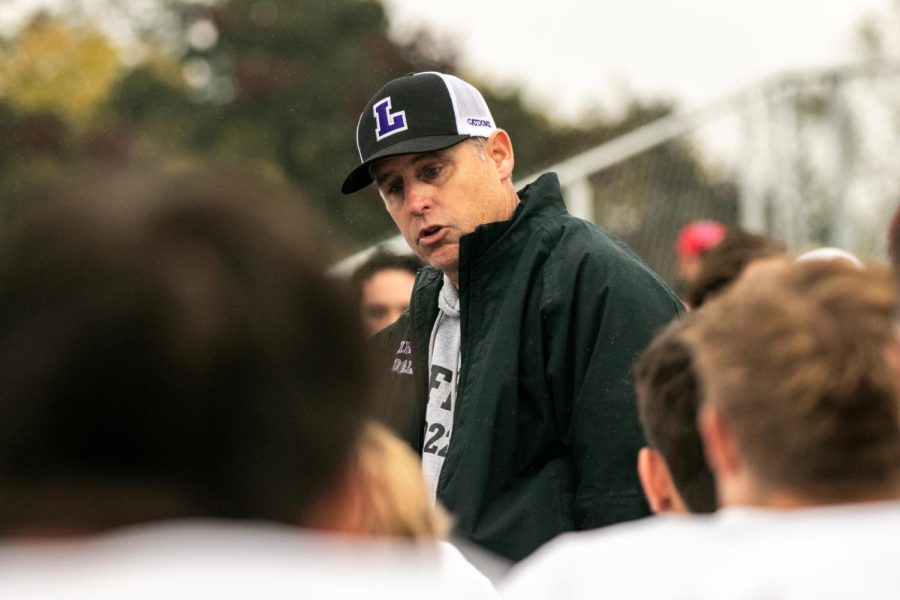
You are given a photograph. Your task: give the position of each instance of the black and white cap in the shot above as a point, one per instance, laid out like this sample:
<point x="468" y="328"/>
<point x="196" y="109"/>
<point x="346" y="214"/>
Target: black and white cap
<point x="421" y="112"/>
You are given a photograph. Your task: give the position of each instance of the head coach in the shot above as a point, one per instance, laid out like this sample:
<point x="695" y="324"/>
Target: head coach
<point x="511" y="370"/>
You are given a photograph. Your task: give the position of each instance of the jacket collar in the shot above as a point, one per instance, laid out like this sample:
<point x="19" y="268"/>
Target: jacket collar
<point x="540" y="199"/>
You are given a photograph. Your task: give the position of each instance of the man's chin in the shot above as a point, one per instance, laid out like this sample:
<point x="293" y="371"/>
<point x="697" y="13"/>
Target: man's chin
<point x="443" y="264"/>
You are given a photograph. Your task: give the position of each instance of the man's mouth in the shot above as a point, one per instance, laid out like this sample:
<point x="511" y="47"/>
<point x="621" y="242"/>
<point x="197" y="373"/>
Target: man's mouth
<point x="431" y="235"/>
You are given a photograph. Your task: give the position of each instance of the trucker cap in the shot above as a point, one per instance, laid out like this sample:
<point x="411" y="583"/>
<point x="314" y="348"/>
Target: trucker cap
<point x="420" y="112"/>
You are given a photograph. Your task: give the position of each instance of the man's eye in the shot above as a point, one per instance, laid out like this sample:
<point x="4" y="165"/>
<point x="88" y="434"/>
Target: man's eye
<point x="395" y="188"/>
<point x="431" y="172"/>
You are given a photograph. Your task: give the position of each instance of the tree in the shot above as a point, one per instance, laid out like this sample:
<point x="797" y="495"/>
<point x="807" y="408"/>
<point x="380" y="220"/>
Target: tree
<point x="275" y="86"/>
<point x="57" y="69"/>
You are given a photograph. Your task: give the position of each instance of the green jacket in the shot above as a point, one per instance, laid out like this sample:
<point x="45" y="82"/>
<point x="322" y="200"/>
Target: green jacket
<point x="554" y="311"/>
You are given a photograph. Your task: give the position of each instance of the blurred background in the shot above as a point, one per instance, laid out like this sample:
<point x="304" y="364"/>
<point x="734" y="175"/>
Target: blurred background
<point x="782" y="117"/>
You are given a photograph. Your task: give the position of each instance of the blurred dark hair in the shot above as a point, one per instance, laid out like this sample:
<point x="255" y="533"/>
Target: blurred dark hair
<point x="668" y="403"/>
<point x="171" y="347"/>
<point x="724" y="262"/>
<point x="382" y="260"/>
<point x="893" y="242"/>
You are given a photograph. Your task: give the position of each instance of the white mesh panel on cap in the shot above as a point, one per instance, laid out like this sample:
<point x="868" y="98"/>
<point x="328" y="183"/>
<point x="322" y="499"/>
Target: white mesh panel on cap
<point x="473" y="117"/>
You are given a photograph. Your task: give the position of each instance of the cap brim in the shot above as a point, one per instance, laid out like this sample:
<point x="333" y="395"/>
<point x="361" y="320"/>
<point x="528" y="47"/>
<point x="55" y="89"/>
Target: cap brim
<point x="360" y="176"/>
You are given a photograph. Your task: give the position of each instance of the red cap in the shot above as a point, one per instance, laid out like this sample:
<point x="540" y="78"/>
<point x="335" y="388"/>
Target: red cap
<point x="699" y="236"/>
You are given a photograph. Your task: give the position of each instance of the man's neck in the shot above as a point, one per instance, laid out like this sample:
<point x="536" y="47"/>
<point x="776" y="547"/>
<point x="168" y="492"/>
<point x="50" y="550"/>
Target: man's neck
<point x="788" y="499"/>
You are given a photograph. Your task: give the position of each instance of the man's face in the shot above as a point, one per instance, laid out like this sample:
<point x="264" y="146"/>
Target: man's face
<point x="435" y="198"/>
<point x="384" y="296"/>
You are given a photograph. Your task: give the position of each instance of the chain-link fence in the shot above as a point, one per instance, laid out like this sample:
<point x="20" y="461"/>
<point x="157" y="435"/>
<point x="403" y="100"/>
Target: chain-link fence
<point x="812" y="159"/>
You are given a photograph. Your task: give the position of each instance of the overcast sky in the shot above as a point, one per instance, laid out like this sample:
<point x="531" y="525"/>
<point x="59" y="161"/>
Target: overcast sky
<point x="572" y="53"/>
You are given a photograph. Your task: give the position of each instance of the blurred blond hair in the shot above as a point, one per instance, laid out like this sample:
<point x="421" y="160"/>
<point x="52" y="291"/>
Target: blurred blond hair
<point x="396" y="502"/>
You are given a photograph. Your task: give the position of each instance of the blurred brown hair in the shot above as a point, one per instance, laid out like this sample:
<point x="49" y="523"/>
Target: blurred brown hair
<point x="668" y="403"/>
<point x="893" y="243"/>
<point x="170" y="346"/>
<point x="722" y="264"/>
<point x="795" y="361"/>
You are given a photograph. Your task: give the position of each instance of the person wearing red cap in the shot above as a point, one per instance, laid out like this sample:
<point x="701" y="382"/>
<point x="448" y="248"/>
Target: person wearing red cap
<point x="511" y="371"/>
<point x="893" y="242"/>
<point x="694" y="239"/>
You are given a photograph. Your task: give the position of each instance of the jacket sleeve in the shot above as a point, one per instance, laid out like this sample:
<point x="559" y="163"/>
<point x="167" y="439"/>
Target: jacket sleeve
<point x="600" y="311"/>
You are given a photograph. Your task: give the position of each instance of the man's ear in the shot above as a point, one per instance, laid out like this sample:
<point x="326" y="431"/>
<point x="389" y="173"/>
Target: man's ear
<point x="500" y="151"/>
<point x="718" y="443"/>
<point x="657" y="482"/>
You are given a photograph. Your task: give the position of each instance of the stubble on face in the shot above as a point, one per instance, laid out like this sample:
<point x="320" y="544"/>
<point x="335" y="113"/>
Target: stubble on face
<point x="437" y="198"/>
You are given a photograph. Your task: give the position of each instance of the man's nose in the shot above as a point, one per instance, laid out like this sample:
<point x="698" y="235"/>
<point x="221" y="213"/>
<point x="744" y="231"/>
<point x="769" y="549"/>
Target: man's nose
<point x="418" y="198"/>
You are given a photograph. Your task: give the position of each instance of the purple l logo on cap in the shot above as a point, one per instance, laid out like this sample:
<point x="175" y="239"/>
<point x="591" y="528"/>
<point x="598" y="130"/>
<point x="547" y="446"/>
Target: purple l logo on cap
<point x="388" y="123"/>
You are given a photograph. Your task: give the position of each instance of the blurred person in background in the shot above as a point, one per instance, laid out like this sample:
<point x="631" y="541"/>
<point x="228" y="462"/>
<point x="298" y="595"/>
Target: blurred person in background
<point x="184" y="392"/>
<point x="511" y="371"/>
<point x="800" y="420"/>
<point x="382" y="286"/>
<point x="672" y="467"/>
<point x="721" y="265"/>
<point x="826" y="253"/>
<point x="693" y="240"/>
<point x="893" y="243"/>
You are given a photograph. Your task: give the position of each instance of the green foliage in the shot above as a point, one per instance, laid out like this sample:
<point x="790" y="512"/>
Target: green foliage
<point x="274" y="86"/>
<point x="56" y="69"/>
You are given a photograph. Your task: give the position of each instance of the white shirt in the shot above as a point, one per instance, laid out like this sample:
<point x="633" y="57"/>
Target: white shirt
<point x="838" y="552"/>
<point x="443" y="381"/>
<point x="211" y="559"/>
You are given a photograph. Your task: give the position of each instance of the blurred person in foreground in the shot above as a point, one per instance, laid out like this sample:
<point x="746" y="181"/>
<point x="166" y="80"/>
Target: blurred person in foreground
<point x="183" y="392"/>
<point x="672" y="467"/>
<point x="800" y="421"/>
<point x="382" y="286"/>
<point x="674" y="472"/>
<point x="393" y="503"/>
<point x="511" y="372"/>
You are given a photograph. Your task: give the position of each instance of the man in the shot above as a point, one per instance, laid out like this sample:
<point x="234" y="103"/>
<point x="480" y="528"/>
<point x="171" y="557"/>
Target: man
<point x="184" y="389"/>
<point x="673" y="470"/>
<point x="800" y="420"/>
<point x="382" y="286"/>
<point x="519" y="339"/>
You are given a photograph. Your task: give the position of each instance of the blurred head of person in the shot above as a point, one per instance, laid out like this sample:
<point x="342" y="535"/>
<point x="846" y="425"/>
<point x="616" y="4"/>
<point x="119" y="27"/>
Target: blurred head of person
<point x="672" y="467"/>
<point x="171" y="347"/>
<point x="386" y="495"/>
<point x="893" y="242"/>
<point x="721" y="266"/>
<point x="382" y="287"/>
<point x="693" y="240"/>
<point x="797" y="368"/>
<point x="831" y="253"/>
